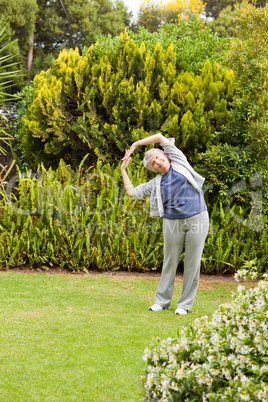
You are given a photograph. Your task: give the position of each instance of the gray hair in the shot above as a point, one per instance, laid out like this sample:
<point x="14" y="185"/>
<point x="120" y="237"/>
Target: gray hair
<point x="148" y="157"/>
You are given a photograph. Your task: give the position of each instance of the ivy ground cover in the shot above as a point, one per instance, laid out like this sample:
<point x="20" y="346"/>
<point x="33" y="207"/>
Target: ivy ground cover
<point x="82" y="337"/>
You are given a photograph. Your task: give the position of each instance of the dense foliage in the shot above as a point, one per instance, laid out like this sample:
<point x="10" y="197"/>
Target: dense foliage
<point x="220" y="13"/>
<point x="20" y="16"/>
<point x="84" y="220"/>
<point x="244" y="156"/>
<point x="71" y="24"/>
<point x="219" y="359"/>
<point x="223" y="13"/>
<point x="124" y="89"/>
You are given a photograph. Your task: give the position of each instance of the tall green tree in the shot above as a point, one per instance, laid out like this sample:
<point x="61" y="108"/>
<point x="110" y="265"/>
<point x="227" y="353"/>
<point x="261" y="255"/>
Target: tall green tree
<point x="20" y="16"/>
<point x="70" y="24"/>
<point x="111" y="18"/>
<point x="214" y="7"/>
<point x="43" y="27"/>
<point x="224" y="25"/>
<point x="62" y="23"/>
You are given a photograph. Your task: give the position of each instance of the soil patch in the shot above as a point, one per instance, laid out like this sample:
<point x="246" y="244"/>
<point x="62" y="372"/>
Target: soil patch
<point x="126" y="274"/>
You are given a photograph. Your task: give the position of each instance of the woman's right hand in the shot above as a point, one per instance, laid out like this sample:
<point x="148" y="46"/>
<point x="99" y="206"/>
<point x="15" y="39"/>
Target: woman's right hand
<point x="126" y="159"/>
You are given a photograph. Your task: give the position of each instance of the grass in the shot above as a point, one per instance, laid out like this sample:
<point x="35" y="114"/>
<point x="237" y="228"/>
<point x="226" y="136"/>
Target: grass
<point x="79" y="338"/>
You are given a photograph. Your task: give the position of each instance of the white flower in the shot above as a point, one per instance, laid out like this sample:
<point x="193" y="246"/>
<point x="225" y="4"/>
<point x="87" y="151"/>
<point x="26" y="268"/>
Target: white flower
<point x="147" y="354"/>
<point x="244" y="397"/>
<point x="155" y="358"/>
<point x="179" y="374"/>
<point x="150" y="378"/>
<point x="227" y="374"/>
<point x="184" y="343"/>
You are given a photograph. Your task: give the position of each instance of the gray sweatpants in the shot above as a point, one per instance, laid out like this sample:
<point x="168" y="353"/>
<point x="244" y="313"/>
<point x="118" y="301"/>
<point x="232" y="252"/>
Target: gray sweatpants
<point x="174" y="238"/>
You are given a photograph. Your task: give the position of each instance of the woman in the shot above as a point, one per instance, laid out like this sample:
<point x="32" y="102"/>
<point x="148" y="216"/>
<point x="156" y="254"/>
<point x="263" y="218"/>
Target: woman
<point x="176" y="196"/>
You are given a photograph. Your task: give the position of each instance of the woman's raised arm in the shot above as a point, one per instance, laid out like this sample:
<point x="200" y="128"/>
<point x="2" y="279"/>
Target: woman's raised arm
<point x="127" y="182"/>
<point x="153" y="139"/>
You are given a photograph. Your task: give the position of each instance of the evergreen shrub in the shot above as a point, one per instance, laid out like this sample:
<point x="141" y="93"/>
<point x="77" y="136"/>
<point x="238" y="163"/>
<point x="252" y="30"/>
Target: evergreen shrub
<point x="122" y="90"/>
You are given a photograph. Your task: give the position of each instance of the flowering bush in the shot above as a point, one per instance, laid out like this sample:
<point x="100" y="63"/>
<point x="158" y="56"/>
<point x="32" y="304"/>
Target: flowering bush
<point x="170" y="11"/>
<point x="224" y="358"/>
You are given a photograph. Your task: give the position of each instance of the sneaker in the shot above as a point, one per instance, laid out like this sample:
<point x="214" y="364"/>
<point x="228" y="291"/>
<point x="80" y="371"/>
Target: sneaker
<point x="155" y="307"/>
<point x="181" y="311"/>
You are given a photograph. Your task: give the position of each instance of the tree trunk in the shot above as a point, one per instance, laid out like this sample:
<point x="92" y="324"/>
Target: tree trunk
<point x="30" y="53"/>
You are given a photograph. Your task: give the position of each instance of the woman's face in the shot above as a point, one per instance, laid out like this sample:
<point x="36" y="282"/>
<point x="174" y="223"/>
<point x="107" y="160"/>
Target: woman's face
<point x="160" y="163"/>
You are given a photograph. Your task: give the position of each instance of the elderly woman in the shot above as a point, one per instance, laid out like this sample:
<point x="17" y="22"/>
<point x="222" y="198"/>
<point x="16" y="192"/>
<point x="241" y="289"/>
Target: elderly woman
<point x="176" y="196"/>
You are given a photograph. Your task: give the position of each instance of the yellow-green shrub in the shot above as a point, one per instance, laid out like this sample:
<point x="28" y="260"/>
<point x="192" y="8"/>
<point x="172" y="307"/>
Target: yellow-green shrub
<point x="100" y="103"/>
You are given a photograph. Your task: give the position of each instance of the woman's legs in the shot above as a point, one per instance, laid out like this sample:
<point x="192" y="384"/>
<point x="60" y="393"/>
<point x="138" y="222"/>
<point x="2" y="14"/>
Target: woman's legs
<point x="194" y="244"/>
<point x="174" y="238"/>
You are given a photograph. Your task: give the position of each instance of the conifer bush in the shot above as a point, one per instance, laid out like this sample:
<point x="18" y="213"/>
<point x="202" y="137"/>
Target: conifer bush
<point x="101" y="101"/>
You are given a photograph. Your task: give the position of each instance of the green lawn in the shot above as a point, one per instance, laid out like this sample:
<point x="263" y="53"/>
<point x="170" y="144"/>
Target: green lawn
<point x="81" y="337"/>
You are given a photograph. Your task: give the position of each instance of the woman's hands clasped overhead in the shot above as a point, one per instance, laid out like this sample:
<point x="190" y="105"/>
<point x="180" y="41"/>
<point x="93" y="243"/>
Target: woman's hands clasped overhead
<point x="126" y="159"/>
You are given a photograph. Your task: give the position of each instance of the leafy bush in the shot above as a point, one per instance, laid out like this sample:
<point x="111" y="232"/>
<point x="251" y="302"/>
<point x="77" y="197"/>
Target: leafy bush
<point x="193" y="42"/>
<point x="219" y="359"/>
<point x="234" y="179"/>
<point x="245" y="131"/>
<point x="102" y="101"/>
<point x="248" y="119"/>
